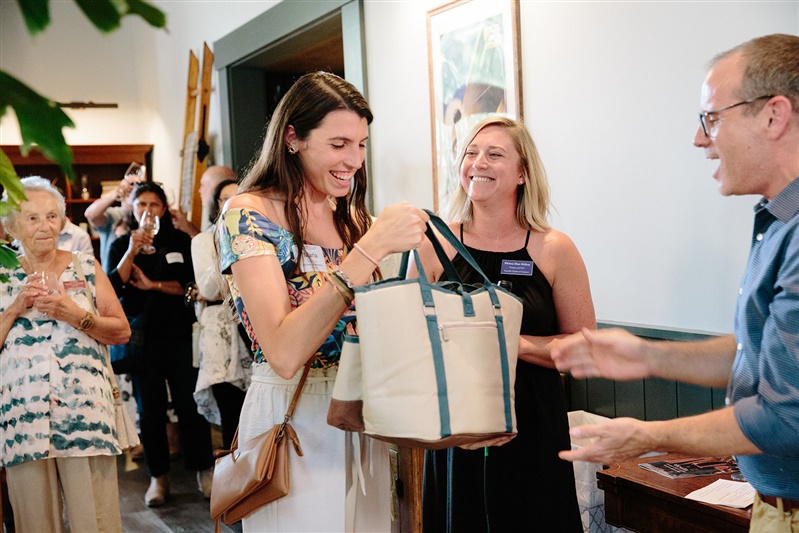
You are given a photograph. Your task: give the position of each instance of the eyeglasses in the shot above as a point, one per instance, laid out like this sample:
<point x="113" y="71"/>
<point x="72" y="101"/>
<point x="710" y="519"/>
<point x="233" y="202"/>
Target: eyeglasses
<point x="704" y="115"/>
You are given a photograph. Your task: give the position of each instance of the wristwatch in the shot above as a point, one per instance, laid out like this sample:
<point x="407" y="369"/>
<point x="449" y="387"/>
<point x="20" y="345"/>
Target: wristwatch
<point x="86" y="322"/>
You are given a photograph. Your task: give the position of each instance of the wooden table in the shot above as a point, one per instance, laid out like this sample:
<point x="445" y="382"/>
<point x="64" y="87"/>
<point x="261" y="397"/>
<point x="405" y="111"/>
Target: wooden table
<point x="644" y="501"/>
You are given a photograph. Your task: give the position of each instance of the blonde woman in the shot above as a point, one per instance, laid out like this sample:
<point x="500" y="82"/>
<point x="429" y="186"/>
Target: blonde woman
<point x="500" y="215"/>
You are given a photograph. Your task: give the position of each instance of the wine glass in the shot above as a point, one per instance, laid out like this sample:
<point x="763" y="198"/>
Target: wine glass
<point x="48" y="279"/>
<point x="136" y="171"/>
<point x="149" y="223"/>
<point x="170" y="195"/>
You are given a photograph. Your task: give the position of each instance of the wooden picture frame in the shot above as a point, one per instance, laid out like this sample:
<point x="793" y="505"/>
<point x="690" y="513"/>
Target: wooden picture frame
<point x="474" y="55"/>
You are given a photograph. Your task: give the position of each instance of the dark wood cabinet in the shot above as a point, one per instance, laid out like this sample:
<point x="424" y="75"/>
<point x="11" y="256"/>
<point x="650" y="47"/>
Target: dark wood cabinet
<point x="97" y="162"/>
<point x="644" y="501"/>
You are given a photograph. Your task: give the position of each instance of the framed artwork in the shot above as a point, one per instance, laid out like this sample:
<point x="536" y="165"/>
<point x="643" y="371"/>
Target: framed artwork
<point x="473" y="56"/>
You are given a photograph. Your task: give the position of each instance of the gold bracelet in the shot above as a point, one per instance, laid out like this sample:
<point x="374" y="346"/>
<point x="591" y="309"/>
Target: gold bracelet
<point x="341" y="276"/>
<point x="86" y="322"/>
<point x="342" y="289"/>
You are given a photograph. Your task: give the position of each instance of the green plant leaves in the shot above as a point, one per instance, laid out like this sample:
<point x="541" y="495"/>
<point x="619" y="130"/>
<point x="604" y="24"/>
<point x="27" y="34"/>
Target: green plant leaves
<point x="154" y="17"/>
<point x="40" y="119"/>
<point x="8" y="259"/>
<point x="36" y="14"/>
<point x="10" y="182"/>
<point x="104" y="14"/>
<point x="40" y="122"/>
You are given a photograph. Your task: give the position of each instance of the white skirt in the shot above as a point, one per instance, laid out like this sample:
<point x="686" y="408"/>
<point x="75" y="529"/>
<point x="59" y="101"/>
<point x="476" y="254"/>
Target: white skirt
<point x="329" y="491"/>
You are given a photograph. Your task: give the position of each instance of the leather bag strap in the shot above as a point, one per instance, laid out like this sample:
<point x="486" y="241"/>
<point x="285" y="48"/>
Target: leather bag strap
<point x="289" y="412"/>
<point x="300" y="385"/>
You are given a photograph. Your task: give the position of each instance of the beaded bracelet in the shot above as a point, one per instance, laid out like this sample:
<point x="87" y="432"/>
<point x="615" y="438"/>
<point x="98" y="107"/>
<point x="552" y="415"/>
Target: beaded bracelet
<point x="371" y="259"/>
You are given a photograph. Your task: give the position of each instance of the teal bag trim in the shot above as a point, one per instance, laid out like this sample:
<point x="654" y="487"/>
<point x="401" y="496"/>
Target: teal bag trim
<point x="426" y="289"/>
<point x="441" y="376"/>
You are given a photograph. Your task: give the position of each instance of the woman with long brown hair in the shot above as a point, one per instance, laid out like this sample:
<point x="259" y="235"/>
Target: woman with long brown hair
<point x="294" y="243"/>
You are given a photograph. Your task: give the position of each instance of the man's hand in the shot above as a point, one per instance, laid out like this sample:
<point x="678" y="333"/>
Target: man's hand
<point x="614" y="441"/>
<point x="609" y="353"/>
<point x="182" y="223"/>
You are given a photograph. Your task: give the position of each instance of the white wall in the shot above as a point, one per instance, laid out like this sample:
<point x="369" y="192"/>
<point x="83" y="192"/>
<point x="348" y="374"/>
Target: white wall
<point x="611" y="94"/>
<point x="611" y="91"/>
<point x="142" y="69"/>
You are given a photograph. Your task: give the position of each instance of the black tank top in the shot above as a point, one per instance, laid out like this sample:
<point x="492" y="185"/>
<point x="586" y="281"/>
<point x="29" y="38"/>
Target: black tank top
<point x="539" y="317"/>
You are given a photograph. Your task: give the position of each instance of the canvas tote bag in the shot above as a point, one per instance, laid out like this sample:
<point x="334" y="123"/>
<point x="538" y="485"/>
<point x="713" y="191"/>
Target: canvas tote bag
<point x="346" y="402"/>
<point x="438" y="360"/>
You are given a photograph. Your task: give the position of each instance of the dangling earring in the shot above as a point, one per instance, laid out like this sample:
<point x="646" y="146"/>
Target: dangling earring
<point x="292" y="150"/>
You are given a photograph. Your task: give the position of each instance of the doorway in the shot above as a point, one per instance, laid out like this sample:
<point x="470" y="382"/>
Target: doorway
<point x="259" y="61"/>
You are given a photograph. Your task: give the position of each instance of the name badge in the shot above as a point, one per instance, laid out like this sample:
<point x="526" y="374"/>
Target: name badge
<point x="516" y="268"/>
<point x="77" y="285"/>
<point x="313" y="259"/>
<point x="174" y="257"/>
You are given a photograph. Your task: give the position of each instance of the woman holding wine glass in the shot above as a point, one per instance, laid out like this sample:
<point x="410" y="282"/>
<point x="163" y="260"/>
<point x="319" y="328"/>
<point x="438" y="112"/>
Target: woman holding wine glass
<point x="152" y="287"/>
<point x="57" y="310"/>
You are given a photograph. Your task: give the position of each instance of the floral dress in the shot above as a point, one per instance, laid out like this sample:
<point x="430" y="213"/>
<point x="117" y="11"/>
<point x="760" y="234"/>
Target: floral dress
<point x="344" y="478"/>
<point x="55" y="391"/>
<point x="246" y="233"/>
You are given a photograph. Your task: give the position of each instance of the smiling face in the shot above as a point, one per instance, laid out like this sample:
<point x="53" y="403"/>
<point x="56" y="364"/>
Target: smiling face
<point x="491" y="167"/>
<point x="733" y="138"/>
<point x="332" y="153"/>
<point x="148" y="201"/>
<point x="38" y="223"/>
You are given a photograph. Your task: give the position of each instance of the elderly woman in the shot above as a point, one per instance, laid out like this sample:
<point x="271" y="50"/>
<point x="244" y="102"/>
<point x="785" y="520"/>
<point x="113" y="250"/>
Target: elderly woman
<point x="58" y="439"/>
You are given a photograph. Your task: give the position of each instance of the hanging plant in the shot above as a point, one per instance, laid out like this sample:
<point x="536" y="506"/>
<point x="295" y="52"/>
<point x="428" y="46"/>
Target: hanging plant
<point x="40" y="119"/>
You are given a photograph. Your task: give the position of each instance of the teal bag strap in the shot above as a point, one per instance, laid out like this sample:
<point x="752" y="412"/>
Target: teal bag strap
<point x="426" y="289"/>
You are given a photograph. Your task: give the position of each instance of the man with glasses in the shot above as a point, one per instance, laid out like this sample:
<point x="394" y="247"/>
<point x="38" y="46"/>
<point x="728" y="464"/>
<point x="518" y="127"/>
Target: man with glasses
<point x="751" y="126"/>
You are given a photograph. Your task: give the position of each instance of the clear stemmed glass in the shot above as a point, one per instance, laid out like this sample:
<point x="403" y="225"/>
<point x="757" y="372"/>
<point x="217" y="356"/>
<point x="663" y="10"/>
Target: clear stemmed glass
<point x="48" y="279"/>
<point x="149" y="223"/>
<point x="137" y="171"/>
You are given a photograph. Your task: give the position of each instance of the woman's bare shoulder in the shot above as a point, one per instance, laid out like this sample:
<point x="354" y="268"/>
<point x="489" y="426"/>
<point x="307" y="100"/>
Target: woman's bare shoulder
<point x="552" y="249"/>
<point x="264" y="202"/>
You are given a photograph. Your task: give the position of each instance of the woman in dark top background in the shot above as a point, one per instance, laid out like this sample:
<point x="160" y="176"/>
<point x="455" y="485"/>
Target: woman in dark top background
<point x="155" y="285"/>
<point x="500" y="212"/>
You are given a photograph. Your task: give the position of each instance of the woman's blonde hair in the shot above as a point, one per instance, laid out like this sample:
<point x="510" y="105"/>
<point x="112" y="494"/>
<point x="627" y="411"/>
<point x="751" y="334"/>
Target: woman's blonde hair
<point x="532" y="200"/>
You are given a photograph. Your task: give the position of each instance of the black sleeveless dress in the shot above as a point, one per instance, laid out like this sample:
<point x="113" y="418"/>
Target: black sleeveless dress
<point x="523" y="485"/>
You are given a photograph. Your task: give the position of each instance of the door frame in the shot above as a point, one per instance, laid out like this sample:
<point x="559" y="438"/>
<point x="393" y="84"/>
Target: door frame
<point x="269" y="28"/>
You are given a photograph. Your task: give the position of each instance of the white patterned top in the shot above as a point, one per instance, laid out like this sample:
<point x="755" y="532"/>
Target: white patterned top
<point x="55" y="392"/>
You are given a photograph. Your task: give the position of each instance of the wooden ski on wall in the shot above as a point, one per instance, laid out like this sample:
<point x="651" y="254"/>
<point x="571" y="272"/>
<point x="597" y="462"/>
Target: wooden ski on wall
<point x="195" y="145"/>
<point x="187" y="156"/>
<point x="202" y="132"/>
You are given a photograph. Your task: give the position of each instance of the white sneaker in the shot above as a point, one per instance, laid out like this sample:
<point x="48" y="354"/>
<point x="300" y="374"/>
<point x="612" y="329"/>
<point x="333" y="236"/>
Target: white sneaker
<point x="205" y="479"/>
<point x="158" y="492"/>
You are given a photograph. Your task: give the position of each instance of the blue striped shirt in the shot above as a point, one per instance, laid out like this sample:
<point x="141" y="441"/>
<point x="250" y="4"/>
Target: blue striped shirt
<point x="764" y="385"/>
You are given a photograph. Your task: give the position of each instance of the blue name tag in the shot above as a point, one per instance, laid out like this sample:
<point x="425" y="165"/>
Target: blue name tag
<point x="517" y="268"/>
